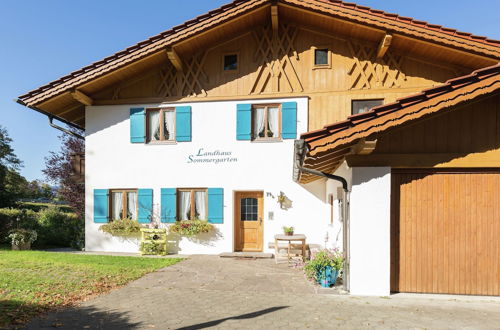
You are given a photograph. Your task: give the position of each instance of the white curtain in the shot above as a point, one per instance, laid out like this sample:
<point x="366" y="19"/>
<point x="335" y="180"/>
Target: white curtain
<point x="272" y="118"/>
<point x="116" y="211"/>
<point x="154" y="125"/>
<point x="169" y="125"/>
<point x="132" y="205"/>
<point x="258" y="123"/>
<point x="200" y="205"/>
<point x="185" y="206"/>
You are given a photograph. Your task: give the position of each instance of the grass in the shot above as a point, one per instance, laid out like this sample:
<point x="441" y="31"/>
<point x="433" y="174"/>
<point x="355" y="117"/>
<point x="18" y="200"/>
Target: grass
<point x="33" y="282"/>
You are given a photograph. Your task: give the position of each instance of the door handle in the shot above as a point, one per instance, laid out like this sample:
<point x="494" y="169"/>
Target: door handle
<point x="260" y="220"/>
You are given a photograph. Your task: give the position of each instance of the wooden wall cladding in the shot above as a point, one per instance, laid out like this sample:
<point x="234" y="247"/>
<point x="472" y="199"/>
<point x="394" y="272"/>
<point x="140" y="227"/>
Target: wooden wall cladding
<point x="281" y="65"/>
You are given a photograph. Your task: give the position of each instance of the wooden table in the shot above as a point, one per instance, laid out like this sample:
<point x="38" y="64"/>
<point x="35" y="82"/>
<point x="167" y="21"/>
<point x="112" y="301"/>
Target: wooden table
<point x="290" y="238"/>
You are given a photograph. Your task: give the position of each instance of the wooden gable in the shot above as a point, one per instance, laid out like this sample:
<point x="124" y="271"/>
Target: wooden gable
<point x="275" y="44"/>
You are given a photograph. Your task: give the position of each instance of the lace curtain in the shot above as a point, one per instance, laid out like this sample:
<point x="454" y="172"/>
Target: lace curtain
<point x="154" y="125"/>
<point x="132" y="205"/>
<point x="185" y="205"/>
<point x="273" y="121"/>
<point x="168" y="125"/>
<point x="258" y="123"/>
<point x="200" y="205"/>
<point x="116" y="211"/>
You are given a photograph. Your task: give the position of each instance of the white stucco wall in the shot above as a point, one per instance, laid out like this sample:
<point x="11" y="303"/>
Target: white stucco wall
<point x="113" y="162"/>
<point x="370" y="231"/>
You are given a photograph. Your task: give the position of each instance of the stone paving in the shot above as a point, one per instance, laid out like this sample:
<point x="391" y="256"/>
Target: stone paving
<point x="211" y="292"/>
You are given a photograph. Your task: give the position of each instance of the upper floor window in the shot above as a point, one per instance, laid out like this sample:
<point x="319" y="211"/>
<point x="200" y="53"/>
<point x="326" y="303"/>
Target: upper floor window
<point x="266" y="122"/>
<point x="123" y="204"/>
<point x="192" y="204"/>
<point x="362" y="106"/>
<point x="321" y="57"/>
<point x="160" y="125"/>
<point x="231" y="62"/>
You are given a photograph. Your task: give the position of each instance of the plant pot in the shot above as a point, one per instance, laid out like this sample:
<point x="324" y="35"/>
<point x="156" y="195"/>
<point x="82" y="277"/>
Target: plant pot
<point x="289" y="233"/>
<point x="327" y="276"/>
<point x="21" y="247"/>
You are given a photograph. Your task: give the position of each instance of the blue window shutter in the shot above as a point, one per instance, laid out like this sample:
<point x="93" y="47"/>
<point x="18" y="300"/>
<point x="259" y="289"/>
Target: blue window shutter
<point x="215" y="205"/>
<point x="243" y="122"/>
<point x="168" y="205"/>
<point x="145" y="201"/>
<point x="101" y="205"/>
<point x="137" y="125"/>
<point x="183" y="124"/>
<point x="289" y="120"/>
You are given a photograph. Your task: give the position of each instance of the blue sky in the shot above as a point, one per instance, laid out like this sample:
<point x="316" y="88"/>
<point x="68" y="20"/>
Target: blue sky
<point x="44" y="40"/>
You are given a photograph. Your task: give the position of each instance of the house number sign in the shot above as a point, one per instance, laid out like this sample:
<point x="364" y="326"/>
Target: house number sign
<point x="212" y="157"/>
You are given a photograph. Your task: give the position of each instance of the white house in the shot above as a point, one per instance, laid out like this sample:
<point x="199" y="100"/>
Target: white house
<point x="363" y="130"/>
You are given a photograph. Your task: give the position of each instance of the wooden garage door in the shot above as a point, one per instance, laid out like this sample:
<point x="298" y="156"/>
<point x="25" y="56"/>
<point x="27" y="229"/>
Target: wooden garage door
<point x="446" y="231"/>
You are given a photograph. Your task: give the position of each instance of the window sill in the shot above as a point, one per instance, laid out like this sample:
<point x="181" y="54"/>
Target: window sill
<point x="267" y="140"/>
<point x="323" y="66"/>
<point x="156" y="143"/>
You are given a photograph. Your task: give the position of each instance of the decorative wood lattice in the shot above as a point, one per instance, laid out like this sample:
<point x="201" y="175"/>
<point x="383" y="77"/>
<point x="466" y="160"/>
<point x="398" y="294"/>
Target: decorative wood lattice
<point x="367" y="71"/>
<point x="190" y="80"/>
<point x="276" y="67"/>
<point x="168" y="83"/>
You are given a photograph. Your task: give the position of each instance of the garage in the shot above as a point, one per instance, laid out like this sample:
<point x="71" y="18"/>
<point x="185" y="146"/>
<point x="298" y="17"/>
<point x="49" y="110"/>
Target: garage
<point x="445" y="229"/>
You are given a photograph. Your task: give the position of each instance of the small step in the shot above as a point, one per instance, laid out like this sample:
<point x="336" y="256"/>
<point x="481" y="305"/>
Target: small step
<point x="249" y="255"/>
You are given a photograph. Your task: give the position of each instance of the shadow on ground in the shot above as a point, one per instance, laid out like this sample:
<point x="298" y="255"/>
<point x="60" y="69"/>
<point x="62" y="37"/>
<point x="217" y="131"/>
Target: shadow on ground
<point x="239" y="317"/>
<point x="84" y="318"/>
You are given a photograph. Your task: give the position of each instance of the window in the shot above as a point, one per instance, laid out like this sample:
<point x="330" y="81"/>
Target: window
<point x="123" y="204"/>
<point x="249" y="209"/>
<point x="231" y="62"/>
<point x="362" y="106"/>
<point x="192" y="204"/>
<point x="160" y="125"/>
<point x="266" y="122"/>
<point x="321" y="57"/>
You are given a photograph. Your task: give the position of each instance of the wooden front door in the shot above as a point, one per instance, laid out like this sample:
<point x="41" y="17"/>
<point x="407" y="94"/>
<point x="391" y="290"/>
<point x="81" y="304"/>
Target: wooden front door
<point x="248" y="217"/>
<point x="445" y="229"/>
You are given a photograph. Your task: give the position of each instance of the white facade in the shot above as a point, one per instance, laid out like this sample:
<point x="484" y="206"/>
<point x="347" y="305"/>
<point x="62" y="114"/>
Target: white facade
<point x="370" y="231"/>
<point x="112" y="162"/>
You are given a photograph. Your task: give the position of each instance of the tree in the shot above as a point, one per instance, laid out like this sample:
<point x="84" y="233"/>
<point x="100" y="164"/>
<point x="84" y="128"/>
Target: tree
<point x="9" y="167"/>
<point x="58" y="170"/>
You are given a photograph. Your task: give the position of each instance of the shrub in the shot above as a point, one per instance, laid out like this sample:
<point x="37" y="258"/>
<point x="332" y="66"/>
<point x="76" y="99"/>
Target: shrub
<point x="37" y="207"/>
<point x="191" y="228"/>
<point x="54" y="228"/>
<point x="124" y="227"/>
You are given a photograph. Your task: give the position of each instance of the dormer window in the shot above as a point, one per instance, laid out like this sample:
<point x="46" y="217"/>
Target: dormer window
<point x="231" y="62"/>
<point x="160" y="125"/>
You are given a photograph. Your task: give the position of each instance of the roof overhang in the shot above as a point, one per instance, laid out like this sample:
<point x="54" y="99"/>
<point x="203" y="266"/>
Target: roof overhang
<point x="326" y="149"/>
<point x="65" y="98"/>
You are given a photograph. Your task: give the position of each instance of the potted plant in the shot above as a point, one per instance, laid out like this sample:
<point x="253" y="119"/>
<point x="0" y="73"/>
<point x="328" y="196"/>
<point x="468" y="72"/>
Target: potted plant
<point x="288" y="230"/>
<point x="21" y="239"/>
<point x="325" y="266"/>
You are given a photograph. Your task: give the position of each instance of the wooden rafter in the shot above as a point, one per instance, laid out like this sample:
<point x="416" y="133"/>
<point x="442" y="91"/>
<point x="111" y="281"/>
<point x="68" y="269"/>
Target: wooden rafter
<point x="384" y="45"/>
<point x="274" y="19"/>
<point x="81" y="97"/>
<point x="175" y="59"/>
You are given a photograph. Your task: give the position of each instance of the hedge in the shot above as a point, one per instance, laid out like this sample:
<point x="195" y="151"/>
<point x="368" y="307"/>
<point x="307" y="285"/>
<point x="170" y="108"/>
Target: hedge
<point x="54" y="227"/>
<point x="37" y="207"/>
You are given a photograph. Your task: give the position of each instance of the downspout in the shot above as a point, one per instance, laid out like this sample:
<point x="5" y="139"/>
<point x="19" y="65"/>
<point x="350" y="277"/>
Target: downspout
<point x="51" y="118"/>
<point x="300" y="147"/>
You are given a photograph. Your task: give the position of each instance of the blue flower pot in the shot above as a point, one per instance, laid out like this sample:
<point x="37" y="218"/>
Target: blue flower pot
<point x="327" y="276"/>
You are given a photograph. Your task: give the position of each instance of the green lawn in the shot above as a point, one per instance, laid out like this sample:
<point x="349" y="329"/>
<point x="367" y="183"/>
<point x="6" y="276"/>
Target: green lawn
<point x="32" y="282"/>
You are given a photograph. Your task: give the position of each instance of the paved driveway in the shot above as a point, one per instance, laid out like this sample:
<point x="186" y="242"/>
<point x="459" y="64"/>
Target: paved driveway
<point x="210" y="292"/>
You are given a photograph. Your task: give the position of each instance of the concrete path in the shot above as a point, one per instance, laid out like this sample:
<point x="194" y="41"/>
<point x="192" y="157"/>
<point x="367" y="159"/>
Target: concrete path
<point x="212" y="292"/>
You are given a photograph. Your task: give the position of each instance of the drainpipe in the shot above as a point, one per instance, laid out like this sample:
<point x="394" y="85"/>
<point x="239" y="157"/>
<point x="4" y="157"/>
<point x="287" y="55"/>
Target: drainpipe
<point x="51" y="118"/>
<point x="345" y="216"/>
<point x="300" y="152"/>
